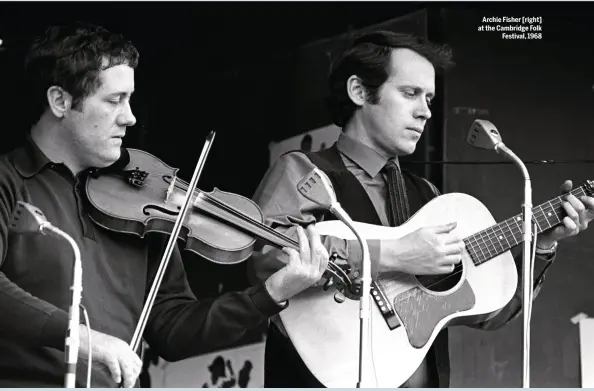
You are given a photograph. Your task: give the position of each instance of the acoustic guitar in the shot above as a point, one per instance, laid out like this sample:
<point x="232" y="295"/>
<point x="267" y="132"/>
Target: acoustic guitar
<point x="409" y="311"/>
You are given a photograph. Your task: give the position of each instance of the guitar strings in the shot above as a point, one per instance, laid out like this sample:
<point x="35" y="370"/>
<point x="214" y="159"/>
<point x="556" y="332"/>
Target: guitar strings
<point x="416" y="292"/>
<point x="554" y="204"/>
<point x="458" y="269"/>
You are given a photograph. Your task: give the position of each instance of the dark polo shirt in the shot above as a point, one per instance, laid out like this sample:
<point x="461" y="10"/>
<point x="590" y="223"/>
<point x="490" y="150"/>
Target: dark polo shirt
<point x="36" y="275"/>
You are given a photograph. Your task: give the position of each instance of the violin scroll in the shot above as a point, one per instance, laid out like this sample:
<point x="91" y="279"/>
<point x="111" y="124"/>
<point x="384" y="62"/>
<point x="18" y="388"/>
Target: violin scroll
<point x="343" y="280"/>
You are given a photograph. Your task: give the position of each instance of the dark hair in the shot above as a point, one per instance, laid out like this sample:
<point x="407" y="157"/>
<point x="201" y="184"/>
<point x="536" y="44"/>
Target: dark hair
<point x="368" y="56"/>
<point x="72" y="57"/>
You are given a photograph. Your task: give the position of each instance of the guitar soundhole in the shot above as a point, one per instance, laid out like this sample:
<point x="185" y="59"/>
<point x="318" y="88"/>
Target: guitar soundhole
<point x="441" y="282"/>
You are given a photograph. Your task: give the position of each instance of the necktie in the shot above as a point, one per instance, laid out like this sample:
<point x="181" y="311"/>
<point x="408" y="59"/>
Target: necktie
<point x="398" y="210"/>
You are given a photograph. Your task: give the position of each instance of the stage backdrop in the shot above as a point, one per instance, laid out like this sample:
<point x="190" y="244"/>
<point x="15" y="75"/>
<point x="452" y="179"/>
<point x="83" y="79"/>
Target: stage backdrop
<point x="312" y="140"/>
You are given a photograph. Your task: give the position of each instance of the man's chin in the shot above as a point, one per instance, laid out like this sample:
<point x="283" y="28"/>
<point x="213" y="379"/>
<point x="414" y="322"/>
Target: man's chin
<point x="109" y="159"/>
<point x="406" y="150"/>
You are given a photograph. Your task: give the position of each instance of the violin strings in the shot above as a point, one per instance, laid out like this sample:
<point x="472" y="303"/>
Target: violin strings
<point x="227" y="208"/>
<point x="184" y="186"/>
<point x="180" y="184"/>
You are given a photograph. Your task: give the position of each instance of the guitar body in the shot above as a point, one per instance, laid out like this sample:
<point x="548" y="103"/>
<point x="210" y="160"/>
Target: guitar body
<point x="326" y="333"/>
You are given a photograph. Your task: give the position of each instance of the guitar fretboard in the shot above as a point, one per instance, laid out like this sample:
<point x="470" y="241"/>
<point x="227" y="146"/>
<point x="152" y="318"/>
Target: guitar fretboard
<point x="499" y="238"/>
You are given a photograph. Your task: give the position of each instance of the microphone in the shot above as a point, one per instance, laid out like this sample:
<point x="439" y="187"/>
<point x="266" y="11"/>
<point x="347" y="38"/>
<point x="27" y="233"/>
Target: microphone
<point x="28" y="219"/>
<point x="484" y="135"/>
<point x="317" y="187"/>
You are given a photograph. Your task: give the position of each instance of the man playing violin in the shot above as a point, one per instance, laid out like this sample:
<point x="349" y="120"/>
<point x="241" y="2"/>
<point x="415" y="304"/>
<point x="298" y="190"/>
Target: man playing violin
<point x="381" y="88"/>
<point x="82" y="80"/>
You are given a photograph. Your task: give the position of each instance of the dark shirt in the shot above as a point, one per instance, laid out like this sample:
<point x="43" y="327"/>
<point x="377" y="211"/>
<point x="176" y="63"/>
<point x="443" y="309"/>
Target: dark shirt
<point x="283" y="207"/>
<point x="36" y="275"/>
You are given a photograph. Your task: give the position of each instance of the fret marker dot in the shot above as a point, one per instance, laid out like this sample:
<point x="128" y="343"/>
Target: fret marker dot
<point x="549" y="214"/>
<point x="501" y="237"/>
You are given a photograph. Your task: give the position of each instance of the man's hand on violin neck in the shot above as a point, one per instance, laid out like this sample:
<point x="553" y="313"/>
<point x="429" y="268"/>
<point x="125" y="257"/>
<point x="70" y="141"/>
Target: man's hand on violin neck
<point x="123" y="364"/>
<point x="304" y="268"/>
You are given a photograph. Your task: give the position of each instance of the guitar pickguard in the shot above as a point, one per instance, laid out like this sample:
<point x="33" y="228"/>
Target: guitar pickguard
<point x="420" y="311"/>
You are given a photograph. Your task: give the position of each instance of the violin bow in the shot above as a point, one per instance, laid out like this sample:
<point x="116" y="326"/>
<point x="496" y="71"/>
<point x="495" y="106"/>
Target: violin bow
<point x="136" y="338"/>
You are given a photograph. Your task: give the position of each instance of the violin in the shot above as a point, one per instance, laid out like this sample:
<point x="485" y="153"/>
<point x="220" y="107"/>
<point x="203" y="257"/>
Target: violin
<point x="140" y="194"/>
<point x="146" y="196"/>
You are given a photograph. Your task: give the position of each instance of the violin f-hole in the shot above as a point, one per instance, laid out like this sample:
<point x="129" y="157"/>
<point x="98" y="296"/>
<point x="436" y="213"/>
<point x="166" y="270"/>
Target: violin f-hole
<point x="146" y="210"/>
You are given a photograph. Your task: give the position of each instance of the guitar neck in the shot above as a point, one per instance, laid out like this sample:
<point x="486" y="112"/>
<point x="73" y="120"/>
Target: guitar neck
<point x="499" y="238"/>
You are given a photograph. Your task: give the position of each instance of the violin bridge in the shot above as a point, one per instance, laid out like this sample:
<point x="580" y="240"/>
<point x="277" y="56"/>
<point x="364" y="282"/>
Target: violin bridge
<point x="170" y="189"/>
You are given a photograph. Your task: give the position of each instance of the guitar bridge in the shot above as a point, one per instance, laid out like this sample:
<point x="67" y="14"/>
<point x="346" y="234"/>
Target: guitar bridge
<point x="384" y="306"/>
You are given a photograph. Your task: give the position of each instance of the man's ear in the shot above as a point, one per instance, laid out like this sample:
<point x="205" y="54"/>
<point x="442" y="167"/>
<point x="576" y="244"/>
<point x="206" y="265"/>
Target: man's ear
<point x="59" y="101"/>
<point x="356" y="90"/>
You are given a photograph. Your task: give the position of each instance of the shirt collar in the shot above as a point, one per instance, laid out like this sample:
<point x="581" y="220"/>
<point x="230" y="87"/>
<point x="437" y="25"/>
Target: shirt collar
<point x="365" y="157"/>
<point x="29" y="159"/>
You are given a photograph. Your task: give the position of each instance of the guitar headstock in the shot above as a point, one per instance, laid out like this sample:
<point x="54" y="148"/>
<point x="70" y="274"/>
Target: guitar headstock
<point x="589" y="188"/>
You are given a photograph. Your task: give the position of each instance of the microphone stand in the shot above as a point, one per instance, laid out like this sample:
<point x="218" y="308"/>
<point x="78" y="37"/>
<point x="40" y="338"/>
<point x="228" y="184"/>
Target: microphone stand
<point x="316" y="187"/>
<point x="364" y="301"/>
<point x="28" y="219"/>
<point x="527" y="261"/>
<point x="73" y="336"/>
<point x="484" y="135"/>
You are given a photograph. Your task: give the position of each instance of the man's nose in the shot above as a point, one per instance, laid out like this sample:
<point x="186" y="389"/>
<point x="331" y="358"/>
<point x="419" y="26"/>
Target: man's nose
<point x="422" y="110"/>
<point x="127" y="118"/>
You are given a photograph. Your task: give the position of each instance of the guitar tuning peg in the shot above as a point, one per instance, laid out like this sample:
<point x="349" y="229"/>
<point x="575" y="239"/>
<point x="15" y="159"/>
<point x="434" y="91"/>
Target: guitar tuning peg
<point x="328" y="283"/>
